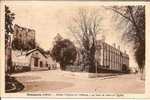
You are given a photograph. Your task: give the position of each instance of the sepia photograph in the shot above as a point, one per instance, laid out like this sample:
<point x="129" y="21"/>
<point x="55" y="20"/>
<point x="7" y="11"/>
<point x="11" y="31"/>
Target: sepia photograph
<point x="74" y="48"/>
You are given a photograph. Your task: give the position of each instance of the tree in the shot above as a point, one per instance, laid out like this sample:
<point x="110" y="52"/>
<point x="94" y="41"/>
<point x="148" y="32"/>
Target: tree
<point x="9" y="17"/>
<point x="85" y="27"/>
<point x="64" y="52"/>
<point x="134" y="18"/>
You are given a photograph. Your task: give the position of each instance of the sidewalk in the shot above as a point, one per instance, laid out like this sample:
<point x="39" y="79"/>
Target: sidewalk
<point x="89" y="75"/>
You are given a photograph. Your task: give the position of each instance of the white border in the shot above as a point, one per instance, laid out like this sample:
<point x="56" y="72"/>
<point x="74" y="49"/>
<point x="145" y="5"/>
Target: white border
<point x="77" y="3"/>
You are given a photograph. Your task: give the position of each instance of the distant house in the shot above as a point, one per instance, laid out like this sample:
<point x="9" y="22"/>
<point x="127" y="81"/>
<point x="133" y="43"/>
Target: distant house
<point x="32" y="60"/>
<point x="51" y="64"/>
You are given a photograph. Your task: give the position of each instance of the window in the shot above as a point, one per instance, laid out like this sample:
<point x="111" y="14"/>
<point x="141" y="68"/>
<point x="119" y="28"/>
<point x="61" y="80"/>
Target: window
<point x="46" y="64"/>
<point x="20" y="36"/>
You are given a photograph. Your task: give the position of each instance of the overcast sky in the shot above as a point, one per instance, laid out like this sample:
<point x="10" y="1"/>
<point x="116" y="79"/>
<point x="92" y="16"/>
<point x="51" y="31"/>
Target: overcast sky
<point x="49" y="19"/>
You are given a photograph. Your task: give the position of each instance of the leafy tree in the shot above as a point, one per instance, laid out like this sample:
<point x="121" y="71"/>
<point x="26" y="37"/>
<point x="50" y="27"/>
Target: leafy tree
<point x="134" y="19"/>
<point x="9" y="17"/>
<point x="85" y="27"/>
<point x="64" y="52"/>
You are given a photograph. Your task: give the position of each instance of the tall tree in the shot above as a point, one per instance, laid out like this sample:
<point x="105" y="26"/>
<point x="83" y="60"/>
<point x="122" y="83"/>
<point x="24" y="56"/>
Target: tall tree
<point x="85" y="27"/>
<point x="9" y="17"/>
<point x="64" y="52"/>
<point x="134" y="19"/>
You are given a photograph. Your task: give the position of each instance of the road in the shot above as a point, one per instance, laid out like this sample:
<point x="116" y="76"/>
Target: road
<point x="61" y="81"/>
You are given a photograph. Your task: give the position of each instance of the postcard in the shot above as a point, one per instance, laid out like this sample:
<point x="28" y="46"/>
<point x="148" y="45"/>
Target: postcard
<point x="75" y="49"/>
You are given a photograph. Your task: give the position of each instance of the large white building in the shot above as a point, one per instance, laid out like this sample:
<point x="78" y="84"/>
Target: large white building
<point x="108" y="58"/>
<point x="111" y="58"/>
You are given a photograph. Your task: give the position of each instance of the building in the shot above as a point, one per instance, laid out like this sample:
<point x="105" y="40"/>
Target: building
<point x="32" y="60"/>
<point x="111" y="58"/>
<point x="23" y="38"/>
<point x="23" y="33"/>
<point x="52" y="65"/>
<point x="108" y="58"/>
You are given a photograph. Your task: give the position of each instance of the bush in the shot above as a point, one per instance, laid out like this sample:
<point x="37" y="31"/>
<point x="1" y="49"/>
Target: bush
<point x="12" y="85"/>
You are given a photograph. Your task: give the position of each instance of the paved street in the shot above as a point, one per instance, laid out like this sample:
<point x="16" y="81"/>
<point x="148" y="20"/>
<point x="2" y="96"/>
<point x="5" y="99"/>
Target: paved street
<point x="61" y="81"/>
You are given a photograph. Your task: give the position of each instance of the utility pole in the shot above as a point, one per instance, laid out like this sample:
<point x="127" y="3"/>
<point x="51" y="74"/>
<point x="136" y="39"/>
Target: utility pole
<point x="9" y="54"/>
<point x="9" y="17"/>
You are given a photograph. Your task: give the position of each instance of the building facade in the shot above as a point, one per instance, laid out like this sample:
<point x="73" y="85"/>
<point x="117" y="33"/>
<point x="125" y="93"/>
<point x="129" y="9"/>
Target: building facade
<point x="107" y="58"/>
<point x="111" y="58"/>
<point x="32" y="60"/>
<point x="23" y="38"/>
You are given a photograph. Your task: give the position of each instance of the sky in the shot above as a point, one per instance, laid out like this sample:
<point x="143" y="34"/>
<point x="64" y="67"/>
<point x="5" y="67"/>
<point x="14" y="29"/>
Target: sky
<point x="49" y="19"/>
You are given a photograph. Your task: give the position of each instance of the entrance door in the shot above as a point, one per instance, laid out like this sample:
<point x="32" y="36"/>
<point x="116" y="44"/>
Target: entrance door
<point x="36" y="62"/>
<point x="41" y="64"/>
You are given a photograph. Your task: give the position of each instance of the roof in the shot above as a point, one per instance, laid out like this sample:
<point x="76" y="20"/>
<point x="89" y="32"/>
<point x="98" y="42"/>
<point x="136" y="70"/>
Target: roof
<point x="124" y="54"/>
<point x="30" y="51"/>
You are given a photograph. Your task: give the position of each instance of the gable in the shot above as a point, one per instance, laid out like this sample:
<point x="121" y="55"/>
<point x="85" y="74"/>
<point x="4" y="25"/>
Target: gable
<point x="36" y="51"/>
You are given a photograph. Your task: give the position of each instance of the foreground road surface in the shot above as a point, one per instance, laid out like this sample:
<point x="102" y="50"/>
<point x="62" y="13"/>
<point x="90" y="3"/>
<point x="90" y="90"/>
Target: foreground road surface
<point x="60" y="81"/>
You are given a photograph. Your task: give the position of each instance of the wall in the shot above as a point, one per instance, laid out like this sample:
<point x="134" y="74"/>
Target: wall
<point x="42" y="59"/>
<point x="110" y="57"/>
<point x="23" y="38"/>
